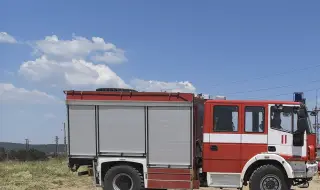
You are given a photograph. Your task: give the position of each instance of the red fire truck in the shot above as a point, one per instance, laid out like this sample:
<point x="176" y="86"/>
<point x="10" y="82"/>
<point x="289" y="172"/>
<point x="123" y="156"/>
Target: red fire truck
<point x="158" y="140"/>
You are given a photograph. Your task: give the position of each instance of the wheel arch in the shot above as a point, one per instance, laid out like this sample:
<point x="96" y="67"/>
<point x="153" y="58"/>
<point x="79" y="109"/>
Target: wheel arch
<point x="263" y="159"/>
<point x="104" y="164"/>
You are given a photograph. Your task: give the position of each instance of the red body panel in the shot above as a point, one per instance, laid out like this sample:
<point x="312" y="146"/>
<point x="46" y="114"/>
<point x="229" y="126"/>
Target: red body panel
<point x="250" y="150"/>
<point x="227" y="159"/>
<point x="170" y="178"/>
<point x="231" y="157"/>
<point x="312" y="145"/>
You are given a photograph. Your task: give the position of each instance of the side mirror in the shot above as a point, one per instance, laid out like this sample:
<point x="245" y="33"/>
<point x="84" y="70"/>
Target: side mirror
<point x="313" y="113"/>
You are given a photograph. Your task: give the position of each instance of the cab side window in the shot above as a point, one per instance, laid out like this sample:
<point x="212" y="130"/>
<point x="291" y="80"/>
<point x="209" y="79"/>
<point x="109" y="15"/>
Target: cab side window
<point x="225" y="118"/>
<point x="254" y="119"/>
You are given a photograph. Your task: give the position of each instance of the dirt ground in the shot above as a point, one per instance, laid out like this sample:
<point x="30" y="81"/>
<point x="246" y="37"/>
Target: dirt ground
<point x="314" y="185"/>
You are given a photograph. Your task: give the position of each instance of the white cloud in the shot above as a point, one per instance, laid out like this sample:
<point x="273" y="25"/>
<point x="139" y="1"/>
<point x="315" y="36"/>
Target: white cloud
<point x="143" y="85"/>
<point x="7" y="38"/>
<point x="73" y="73"/>
<point x="110" y="57"/>
<point x="66" y="63"/>
<point x="79" y="48"/>
<point x="62" y="64"/>
<point x="10" y="93"/>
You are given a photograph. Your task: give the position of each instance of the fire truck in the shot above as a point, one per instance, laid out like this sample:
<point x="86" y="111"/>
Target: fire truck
<point x="134" y="140"/>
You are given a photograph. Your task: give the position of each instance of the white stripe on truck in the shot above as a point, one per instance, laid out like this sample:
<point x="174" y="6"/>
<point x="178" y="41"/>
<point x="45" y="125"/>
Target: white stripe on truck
<point x="235" y="138"/>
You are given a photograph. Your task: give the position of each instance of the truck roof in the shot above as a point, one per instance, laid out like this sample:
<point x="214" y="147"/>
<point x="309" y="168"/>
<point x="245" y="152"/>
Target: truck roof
<point x="130" y="96"/>
<point x="254" y="101"/>
<point x="156" y="96"/>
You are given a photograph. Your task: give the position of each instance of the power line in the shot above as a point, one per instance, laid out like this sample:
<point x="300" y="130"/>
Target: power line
<point x="267" y="76"/>
<point x="270" y="88"/>
<point x="309" y="90"/>
<point x="282" y="94"/>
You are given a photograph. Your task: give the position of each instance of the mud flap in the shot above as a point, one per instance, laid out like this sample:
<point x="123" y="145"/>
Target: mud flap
<point x="95" y="175"/>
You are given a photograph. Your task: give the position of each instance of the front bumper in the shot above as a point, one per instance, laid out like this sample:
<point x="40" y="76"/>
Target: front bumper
<point x="312" y="169"/>
<point x="303" y="170"/>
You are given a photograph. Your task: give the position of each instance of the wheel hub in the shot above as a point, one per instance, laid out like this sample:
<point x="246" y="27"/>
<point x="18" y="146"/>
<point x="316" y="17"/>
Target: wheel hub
<point x="270" y="182"/>
<point x="122" y="181"/>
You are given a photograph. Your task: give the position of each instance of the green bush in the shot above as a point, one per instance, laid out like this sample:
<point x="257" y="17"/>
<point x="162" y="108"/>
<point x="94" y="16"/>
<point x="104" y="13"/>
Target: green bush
<point x="22" y="155"/>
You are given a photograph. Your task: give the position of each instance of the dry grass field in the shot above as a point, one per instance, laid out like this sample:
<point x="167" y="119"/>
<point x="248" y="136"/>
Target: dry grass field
<point x="54" y="174"/>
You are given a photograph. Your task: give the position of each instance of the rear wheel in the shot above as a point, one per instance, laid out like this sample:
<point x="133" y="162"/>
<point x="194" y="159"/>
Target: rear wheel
<point x="123" y="177"/>
<point x="268" y="177"/>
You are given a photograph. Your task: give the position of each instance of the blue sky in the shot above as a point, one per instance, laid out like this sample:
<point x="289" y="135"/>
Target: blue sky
<point x="240" y="49"/>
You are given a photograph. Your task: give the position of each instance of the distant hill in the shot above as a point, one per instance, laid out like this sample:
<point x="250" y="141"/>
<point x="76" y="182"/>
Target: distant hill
<point x="47" y="148"/>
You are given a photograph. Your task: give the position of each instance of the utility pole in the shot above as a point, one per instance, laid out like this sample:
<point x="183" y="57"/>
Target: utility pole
<point x="65" y="138"/>
<point x="57" y="145"/>
<point x="27" y="144"/>
<point x="316" y="118"/>
<point x="1" y="113"/>
<point x="315" y="113"/>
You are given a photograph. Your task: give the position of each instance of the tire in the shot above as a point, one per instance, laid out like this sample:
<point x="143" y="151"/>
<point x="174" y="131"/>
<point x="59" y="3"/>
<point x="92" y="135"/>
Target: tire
<point x="268" y="173"/>
<point x="130" y="174"/>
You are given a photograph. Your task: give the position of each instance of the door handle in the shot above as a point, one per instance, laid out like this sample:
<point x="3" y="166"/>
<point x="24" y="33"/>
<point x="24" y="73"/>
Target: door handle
<point x="214" y="148"/>
<point x="272" y="148"/>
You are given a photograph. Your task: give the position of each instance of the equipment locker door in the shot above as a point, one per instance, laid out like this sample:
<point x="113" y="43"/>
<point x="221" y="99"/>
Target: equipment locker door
<point x="222" y="144"/>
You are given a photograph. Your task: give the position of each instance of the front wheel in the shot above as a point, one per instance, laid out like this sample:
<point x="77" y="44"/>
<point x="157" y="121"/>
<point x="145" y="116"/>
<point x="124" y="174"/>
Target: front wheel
<point x="268" y="177"/>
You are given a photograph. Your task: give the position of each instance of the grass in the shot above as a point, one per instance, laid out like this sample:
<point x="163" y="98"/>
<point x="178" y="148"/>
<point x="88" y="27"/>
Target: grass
<point x="52" y="174"/>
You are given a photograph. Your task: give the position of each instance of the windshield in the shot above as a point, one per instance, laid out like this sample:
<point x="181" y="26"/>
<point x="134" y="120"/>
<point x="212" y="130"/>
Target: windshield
<point x="312" y="128"/>
<point x="287" y="120"/>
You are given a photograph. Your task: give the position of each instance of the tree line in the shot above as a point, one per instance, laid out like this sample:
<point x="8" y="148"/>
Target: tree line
<point x="22" y="155"/>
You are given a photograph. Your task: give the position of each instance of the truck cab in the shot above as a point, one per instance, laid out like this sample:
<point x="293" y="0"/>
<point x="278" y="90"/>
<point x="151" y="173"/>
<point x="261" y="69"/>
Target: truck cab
<point x="267" y="144"/>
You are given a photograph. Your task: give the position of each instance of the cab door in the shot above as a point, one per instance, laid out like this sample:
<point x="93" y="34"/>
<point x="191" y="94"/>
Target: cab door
<point x="255" y="131"/>
<point x="222" y="144"/>
<point x="282" y="126"/>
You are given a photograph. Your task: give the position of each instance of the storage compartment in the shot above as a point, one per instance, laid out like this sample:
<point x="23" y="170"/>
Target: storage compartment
<point x="169" y="136"/>
<point x="82" y="131"/>
<point x="122" y="130"/>
<point x="157" y="127"/>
